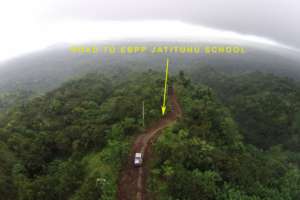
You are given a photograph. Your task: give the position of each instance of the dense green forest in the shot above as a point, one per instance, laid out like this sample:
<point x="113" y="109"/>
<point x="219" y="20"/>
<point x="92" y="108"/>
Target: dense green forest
<point x="267" y="107"/>
<point x="237" y="140"/>
<point x="11" y="99"/>
<point x="71" y="142"/>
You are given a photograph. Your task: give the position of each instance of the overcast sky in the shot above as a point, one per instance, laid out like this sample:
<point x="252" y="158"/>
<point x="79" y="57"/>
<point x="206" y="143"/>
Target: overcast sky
<point x="33" y="24"/>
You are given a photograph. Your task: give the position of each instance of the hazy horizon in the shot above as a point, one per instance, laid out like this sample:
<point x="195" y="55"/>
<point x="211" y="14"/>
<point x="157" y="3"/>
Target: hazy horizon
<point x="33" y="25"/>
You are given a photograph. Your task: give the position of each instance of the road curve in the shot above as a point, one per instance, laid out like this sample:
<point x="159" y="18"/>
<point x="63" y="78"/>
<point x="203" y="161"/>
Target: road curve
<point x="132" y="182"/>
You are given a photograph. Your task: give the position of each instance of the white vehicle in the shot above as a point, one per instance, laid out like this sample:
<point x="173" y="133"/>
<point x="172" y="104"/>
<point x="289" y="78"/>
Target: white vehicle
<point x="138" y="159"/>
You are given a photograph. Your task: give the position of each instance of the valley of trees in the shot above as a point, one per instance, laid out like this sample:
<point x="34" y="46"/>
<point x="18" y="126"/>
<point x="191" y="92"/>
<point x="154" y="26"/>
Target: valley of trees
<point x="238" y="138"/>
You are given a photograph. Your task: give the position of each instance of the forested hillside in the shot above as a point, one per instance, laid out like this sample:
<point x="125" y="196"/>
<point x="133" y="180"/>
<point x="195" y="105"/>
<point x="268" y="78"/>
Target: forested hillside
<point x="40" y="72"/>
<point x="267" y="107"/>
<point x="238" y="141"/>
<point x="48" y="69"/>
<point x="71" y="142"/>
<point x="11" y="99"/>
<point x="238" y="138"/>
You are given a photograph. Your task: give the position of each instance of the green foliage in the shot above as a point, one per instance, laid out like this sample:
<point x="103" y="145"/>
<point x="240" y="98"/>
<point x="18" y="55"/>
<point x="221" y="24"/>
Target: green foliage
<point x="11" y="99"/>
<point x="238" y="138"/>
<point x="52" y="136"/>
<point x="205" y="156"/>
<point x="7" y="160"/>
<point x="265" y="106"/>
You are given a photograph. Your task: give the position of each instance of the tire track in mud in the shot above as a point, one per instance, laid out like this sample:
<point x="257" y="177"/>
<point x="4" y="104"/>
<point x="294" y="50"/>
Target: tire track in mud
<point x="132" y="181"/>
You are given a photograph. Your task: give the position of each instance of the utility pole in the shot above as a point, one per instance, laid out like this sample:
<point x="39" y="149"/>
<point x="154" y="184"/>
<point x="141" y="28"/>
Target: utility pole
<point x="143" y="113"/>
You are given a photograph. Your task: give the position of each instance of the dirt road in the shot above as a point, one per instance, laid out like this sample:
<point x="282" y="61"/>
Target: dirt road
<point x="132" y="182"/>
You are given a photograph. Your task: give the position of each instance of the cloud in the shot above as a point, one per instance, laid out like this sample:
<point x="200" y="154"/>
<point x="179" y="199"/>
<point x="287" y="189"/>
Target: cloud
<point x="33" y="24"/>
<point x="30" y="38"/>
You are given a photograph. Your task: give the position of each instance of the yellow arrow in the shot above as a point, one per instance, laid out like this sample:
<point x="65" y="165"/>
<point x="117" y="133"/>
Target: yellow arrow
<point x="163" y="107"/>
